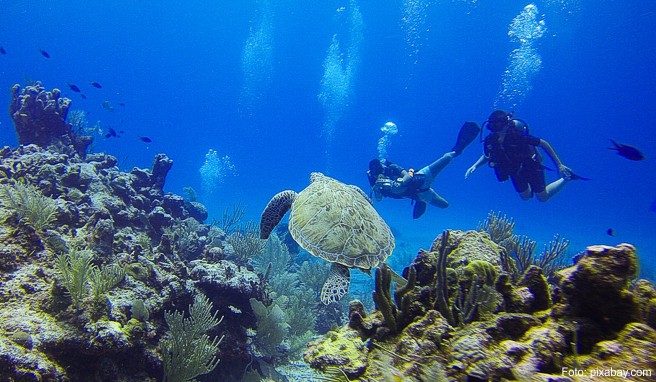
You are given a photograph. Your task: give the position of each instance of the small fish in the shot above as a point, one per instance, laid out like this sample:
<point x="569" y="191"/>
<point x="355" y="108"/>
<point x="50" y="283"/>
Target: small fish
<point x="96" y="85"/>
<point x="73" y="87"/>
<point x="83" y="96"/>
<point x="107" y="106"/>
<point x="2" y="50"/>
<point x="610" y="232"/>
<point x="121" y="104"/>
<point x="44" y="53"/>
<point x="626" y="151"/>
<point x="112" y="132"/>
<point x="145" y="139"/>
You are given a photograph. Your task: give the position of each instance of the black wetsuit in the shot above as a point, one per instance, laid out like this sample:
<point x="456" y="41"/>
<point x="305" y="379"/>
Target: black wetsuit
<point x="516" y="158"/>
<point x="392" y="172"/>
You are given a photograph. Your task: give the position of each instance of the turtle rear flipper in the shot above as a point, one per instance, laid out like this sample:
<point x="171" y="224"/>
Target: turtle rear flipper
<point x="274" y="211"/>
<point x="337" y="284"/>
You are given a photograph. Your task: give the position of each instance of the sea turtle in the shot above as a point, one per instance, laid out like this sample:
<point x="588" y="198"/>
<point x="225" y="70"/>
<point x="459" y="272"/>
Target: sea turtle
<point x="336" y="222"/>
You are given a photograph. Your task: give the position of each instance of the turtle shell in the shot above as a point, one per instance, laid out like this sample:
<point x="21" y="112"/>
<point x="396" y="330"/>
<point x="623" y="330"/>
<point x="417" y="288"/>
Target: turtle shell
<point x="337" y="223"/>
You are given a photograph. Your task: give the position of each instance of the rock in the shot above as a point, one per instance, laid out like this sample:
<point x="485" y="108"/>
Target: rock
<point x="40" y="118"/>
<point x="343" y="349"/>
<point x="596" y="287"/>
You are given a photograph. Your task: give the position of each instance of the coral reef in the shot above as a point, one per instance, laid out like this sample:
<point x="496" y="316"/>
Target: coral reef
<point x="594" y="318"/>
<point x="40" y="118"/>
<point x="106" y="322"/>
<point x="102" y="273"/>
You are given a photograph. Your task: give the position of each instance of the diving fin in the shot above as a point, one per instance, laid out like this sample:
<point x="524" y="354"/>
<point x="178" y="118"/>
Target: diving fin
<point x="468" y="132"/>
<point x="574" y="176"/>
<point x="420" y="208"/>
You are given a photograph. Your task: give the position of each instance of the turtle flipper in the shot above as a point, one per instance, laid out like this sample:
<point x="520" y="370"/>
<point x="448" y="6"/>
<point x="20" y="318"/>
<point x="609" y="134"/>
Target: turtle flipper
<point x="336" y="285"/>
<point x="274" y="211"/>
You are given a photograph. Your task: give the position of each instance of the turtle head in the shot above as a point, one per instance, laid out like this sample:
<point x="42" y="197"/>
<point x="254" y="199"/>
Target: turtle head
<point x="274" y="211"/>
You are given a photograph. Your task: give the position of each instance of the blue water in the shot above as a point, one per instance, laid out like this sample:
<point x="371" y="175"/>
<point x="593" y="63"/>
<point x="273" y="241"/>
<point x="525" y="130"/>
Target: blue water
<point x="288" y="87"/>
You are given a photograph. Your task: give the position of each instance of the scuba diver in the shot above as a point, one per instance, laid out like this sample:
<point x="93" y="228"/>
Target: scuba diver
<point x="390" y="180"/>
<point x="513" y="154"/>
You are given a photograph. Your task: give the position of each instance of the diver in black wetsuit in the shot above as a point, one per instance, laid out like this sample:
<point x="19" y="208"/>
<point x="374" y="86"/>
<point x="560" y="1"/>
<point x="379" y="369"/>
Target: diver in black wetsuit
<point x="390" y="180"/>
<point x="513" y="154"/>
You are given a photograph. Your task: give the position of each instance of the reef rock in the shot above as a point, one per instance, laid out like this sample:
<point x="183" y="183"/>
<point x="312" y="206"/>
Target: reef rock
<point x="597" y="287"/>
<point x="343" y="349"/>
<point x="40" y="118"/>
<point x="634" y="350"/>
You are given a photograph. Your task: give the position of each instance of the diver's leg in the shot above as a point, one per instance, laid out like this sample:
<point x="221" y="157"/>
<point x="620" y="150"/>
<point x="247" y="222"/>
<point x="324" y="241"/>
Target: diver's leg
<point x="433" y="169"/>
<point x="432" y="197"/>
<point x="522" y="185"/>
<point x="552" y="189"/>
<point x="526" y="194"/>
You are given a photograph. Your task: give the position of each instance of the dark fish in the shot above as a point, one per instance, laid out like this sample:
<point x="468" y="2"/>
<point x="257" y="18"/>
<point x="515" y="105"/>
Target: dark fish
<point x="73" y="87"/>
<point x="83" y="96"/>
<point x="121" y="104"/>
<point x="113" y="133"/>
<point x="145" y="139"/>
<point x="628" y="152"/>
<point x="2" y="50"/>
<point x="95" y="84"/>
<point x="44" y="53"/>
<point x="610" y="232"/>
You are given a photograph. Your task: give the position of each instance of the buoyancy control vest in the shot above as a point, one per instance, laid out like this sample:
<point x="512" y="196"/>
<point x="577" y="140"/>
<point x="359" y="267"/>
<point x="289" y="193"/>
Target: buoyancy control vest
<point x="518" y="149"/>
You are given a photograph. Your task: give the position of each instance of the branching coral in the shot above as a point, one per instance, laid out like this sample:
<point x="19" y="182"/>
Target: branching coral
<point x="231" y="217"/>
<point x="105" y="278"/>
<point x="500" y="228"/>
<point x="29" y="203"/>
<point x="550" y="260"/>
<point x="246" y="243"/>
<point x="74" y="270"/>
<point x="78" y="275"/>
<point x="188" y="351"/>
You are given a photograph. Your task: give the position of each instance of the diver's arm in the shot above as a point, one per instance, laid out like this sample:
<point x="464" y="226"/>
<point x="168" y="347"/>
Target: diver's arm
<point x="562" y="169"/>
<point x="481" y="161"/>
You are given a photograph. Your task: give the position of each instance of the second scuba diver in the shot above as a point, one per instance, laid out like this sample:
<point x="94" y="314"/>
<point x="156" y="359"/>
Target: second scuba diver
<point x="513" y="154"/>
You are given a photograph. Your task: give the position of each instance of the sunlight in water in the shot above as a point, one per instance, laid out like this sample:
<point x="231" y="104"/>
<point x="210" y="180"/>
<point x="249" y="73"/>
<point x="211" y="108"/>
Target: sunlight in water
<point x="257" y="57"/>
<point x="525" y="61"/>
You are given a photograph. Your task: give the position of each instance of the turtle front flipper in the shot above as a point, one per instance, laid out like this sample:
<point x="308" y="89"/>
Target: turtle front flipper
<point x="274" y="211"/>
<point x="337" y="284"/>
